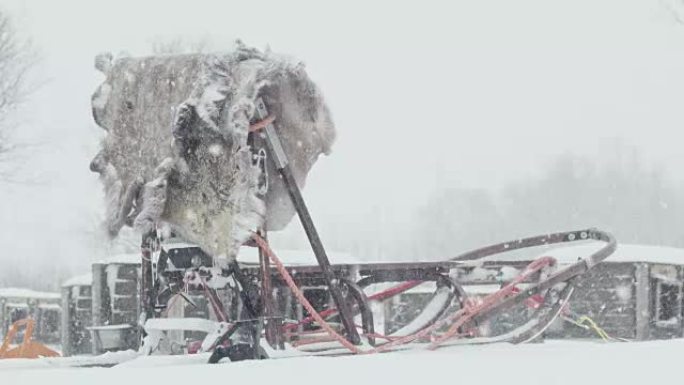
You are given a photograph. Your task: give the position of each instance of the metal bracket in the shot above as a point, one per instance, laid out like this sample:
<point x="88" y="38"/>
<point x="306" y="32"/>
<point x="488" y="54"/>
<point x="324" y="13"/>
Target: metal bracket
<point x="272" y="140"/>
<point x="279" y="157"/>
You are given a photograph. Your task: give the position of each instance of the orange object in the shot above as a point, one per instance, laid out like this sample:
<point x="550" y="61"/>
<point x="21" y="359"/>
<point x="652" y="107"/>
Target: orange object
<point x="28" y="348"/>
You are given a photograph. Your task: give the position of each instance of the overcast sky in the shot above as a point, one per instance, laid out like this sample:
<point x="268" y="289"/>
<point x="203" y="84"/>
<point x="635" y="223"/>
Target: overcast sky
<point x="426" y="95"/>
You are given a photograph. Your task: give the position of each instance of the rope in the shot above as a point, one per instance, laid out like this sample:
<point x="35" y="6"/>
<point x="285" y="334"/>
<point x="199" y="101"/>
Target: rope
<point x="319" y="319"/>
<point x="300" y="295"/>
<point x="173" y="299"/>
<point x="585" y="322"/>
<point x="262" y="123"/>
<point x="594" y="326"/>
<point x="492" y="299"/>
<point x="379" y="296"/>
<point x="457" y="319"/>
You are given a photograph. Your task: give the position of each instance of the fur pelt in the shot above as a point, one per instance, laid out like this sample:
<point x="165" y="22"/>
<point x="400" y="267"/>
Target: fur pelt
<point x="177" y="153"/>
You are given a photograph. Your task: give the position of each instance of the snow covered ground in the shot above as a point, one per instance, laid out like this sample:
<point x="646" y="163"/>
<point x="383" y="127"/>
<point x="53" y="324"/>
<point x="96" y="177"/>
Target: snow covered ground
<point x="549" y="363"/>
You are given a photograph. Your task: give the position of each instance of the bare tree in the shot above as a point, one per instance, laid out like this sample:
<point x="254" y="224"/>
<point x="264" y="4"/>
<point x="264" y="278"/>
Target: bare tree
<point x="16" y="59"/>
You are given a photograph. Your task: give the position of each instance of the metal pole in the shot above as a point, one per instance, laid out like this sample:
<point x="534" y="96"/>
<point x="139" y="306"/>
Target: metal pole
<point x="147" y="295"/>
<point x="271" y="327"/>
<point x="280" y="159"/>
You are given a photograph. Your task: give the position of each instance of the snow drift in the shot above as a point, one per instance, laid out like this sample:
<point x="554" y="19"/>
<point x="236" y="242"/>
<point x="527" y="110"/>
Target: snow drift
<point x="177" y="150"/>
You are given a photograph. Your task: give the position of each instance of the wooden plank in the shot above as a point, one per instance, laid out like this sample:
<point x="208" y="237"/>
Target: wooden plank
<point x="66" y="322"/>
<point x="98" y="293"/>
<point x="643" y="312"/>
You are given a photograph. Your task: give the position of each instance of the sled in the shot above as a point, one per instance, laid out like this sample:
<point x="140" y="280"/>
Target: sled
<point x="450" y="317"/>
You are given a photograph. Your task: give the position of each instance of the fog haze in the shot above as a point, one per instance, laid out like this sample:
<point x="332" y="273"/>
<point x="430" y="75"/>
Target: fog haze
<point x="427" y="97"/>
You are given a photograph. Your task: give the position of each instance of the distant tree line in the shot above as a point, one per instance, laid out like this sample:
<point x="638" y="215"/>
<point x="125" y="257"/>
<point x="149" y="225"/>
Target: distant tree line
<point x="638" y="204"/>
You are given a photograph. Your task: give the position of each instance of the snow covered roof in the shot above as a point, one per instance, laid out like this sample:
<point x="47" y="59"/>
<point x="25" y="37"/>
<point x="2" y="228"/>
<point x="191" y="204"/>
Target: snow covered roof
<point x="427" y="287"/>
<point x="111" y="327"/>
<point x="305" y="257"/>
<point x="177" y="245"/>
<point x="482" y="289"/>
<point x="121" y="258"/>
<point x="17" y="305"/>
<point x="246" y="255"/>
<point x="624" y="253"/>
<point x="79" y="280"/>
<point x="14" y="292"/>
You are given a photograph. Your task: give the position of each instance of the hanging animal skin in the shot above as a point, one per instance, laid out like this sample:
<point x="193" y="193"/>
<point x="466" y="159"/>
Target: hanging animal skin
<point x="177" y="149"/>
